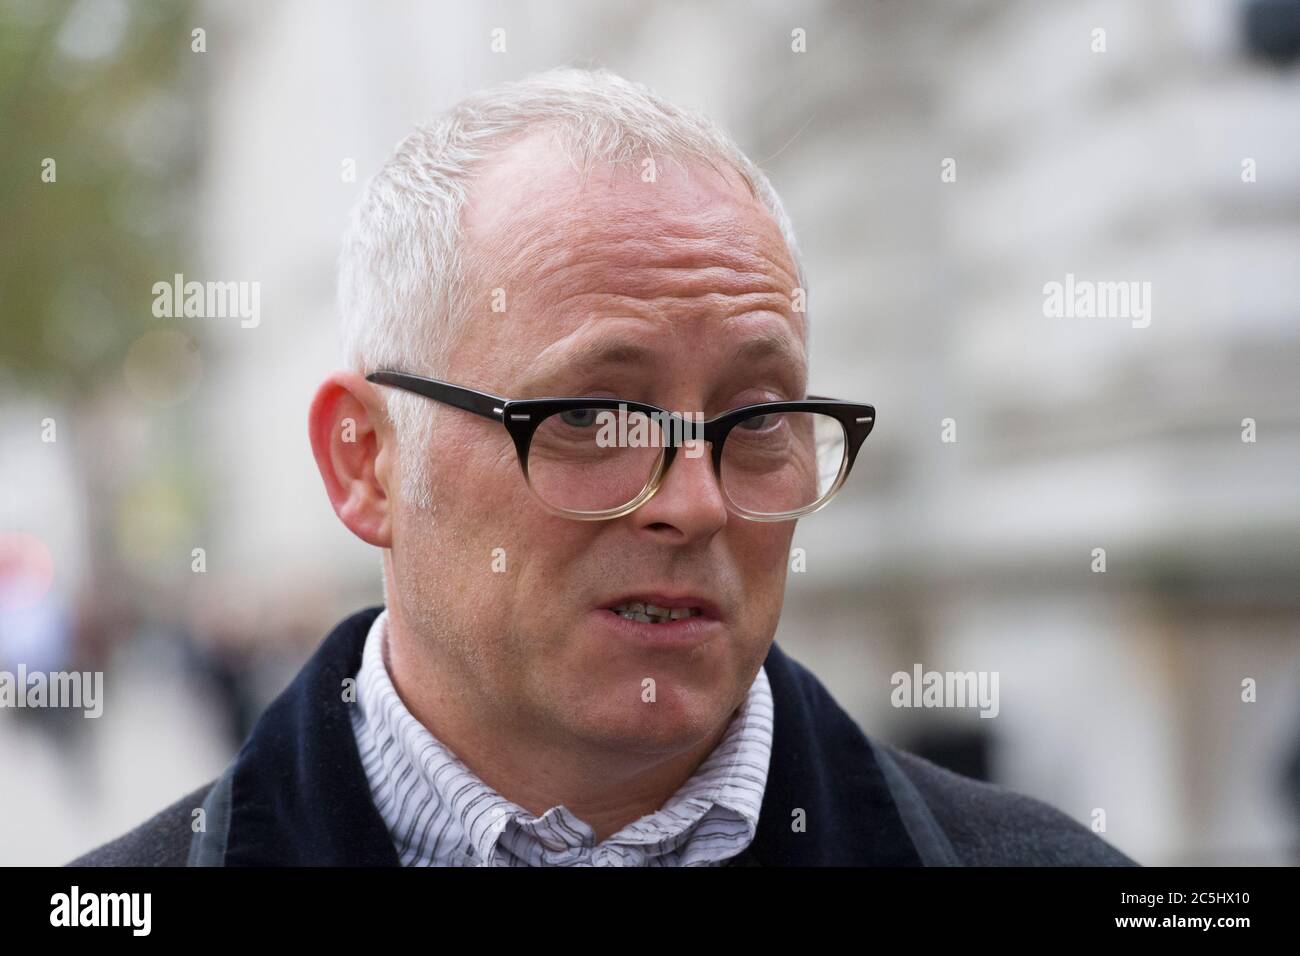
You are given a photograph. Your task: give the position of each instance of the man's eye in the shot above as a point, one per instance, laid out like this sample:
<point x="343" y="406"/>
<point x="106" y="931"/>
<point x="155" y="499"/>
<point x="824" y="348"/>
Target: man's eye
<point x="757" y="423"/>
<point x="579" y="417"/>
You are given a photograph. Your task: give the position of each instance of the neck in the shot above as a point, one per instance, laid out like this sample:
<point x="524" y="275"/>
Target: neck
<point x="512" y="754"/>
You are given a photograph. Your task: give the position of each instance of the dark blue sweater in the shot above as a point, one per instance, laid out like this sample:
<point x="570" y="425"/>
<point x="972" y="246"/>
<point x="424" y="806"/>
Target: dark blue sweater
<point x="296" y="794"/>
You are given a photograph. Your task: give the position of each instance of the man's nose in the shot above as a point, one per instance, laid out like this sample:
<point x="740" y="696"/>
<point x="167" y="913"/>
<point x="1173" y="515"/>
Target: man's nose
<point x="689" y="503"/>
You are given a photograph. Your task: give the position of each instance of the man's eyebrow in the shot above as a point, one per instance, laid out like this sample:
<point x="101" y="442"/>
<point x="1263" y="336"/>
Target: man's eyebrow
<point x="600" y="352"/>
<point x="591" y="353"/>
<point x="605" y="352"/>
<point x="768" y="346"/>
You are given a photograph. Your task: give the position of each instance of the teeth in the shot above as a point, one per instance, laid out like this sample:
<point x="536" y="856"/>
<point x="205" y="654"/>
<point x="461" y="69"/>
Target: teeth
<point x="653" y="613"/>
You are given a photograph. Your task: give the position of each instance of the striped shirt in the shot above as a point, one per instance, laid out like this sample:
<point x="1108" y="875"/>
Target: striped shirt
<point x="439" y="813"/>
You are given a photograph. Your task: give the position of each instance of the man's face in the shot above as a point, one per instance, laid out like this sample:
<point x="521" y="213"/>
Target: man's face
<point x="677" y="293"/>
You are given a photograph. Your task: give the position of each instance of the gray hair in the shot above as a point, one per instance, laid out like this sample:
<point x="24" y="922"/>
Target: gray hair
<point x="402" y="270"/>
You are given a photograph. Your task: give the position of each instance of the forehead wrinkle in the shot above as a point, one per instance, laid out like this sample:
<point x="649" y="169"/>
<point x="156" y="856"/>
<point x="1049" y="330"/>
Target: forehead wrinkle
<point x="561" y="251"/>
<point x="659" y="269"/>
<point x="675" y="315"/>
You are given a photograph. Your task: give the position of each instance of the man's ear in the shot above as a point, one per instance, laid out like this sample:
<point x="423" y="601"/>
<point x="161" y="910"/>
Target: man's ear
<point x="355" y="451"/>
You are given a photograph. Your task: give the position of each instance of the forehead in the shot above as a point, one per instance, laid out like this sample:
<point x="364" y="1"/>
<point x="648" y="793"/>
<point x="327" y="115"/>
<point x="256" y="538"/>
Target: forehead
<point x="636" y="251"/>
<point x="531" y="210"/>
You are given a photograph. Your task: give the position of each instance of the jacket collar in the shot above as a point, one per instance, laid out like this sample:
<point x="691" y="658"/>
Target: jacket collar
<point x="299" y="795"/>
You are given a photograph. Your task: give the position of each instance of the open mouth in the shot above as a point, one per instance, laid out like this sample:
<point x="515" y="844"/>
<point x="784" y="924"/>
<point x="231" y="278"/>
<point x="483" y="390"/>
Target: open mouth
<point x="648" y="613"/>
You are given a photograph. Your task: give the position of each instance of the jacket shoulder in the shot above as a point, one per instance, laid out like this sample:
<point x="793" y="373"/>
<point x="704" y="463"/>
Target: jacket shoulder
<point x="989" y="825"/>
<point x="162" y="840"/>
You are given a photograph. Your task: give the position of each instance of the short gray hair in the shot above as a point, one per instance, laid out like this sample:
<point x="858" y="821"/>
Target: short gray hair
<point x="402" y="270"/>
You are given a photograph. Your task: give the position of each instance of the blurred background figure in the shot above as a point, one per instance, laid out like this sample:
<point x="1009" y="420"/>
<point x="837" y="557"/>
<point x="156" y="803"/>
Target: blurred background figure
<point x="162" y="517"/>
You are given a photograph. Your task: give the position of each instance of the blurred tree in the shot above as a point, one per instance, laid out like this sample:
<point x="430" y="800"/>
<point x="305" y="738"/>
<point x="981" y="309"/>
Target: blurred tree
<point x="96" y="176"/>
<point x="78" y="255"/>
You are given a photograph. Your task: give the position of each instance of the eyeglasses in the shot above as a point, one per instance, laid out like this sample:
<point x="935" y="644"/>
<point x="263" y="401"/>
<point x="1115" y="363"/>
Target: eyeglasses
<point x="593" y="459"/>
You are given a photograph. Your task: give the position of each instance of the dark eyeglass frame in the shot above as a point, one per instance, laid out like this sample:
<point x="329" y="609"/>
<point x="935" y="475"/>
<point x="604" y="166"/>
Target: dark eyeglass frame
<point x="522" y="417"/>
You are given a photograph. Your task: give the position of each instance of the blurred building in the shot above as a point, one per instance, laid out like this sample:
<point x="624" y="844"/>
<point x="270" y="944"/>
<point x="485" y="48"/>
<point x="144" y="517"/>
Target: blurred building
<point x="1120" y="691"/>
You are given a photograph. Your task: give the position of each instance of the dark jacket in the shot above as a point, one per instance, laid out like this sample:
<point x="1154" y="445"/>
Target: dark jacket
<point x="296" y="793"/>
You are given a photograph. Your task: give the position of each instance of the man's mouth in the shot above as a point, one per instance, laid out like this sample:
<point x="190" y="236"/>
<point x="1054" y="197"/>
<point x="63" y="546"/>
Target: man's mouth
<point x="663" y="607"/>
<point x="648" y="613"/>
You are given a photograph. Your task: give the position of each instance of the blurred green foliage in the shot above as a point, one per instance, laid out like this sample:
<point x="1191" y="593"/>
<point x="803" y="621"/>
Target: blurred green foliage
<point x="105" y="88"/>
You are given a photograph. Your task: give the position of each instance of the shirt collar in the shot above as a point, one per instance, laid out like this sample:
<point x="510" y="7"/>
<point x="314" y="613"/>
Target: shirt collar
<point x="438" y="812"/>
<point x="296" y="794"/>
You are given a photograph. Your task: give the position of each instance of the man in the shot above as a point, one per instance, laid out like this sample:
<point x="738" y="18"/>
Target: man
<point x="575" y="662"/>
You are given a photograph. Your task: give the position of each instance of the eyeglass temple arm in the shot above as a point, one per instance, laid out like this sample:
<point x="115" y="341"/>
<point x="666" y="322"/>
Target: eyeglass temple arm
<point x="480" y="403"/>
<point x="864" y="425"/>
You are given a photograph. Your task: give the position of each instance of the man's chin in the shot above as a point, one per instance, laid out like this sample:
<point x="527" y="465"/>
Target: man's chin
<point x="656" y="726"/>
